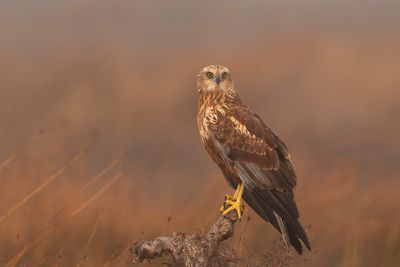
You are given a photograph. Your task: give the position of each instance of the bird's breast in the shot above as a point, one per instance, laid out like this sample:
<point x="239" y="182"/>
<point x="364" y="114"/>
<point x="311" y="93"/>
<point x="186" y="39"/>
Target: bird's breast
<point x="208" y="118"/>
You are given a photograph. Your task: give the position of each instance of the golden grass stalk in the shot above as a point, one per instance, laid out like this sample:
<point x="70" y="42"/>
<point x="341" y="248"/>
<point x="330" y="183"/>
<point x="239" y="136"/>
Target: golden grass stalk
<point x="98" y="176"/>
<point x="112" y="257"/>
<point x="91" y="237"/>
<point x="96" y="195"/>
<point x="118" y="253"/>
<point x="13" y="156"/>
<point x="16" y="259"/>
<point x="13" y="262"/>
<point x="8" y="160"/>
<point x="87" y="185"/>
<point x="40" y="188"/>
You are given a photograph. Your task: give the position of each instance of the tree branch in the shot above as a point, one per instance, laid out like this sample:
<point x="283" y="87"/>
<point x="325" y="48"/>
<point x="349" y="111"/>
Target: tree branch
<point x="188" y="249"/>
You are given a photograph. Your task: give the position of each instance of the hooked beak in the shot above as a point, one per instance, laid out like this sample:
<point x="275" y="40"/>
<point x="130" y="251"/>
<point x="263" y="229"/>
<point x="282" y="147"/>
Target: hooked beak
<point x="217" y="79"/>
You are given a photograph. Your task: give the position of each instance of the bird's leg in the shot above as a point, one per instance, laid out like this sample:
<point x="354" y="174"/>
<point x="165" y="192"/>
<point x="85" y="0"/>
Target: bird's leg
<point x="234" y="203"/>
<point x="230" y="198"/>
<point x="235" y="195"/>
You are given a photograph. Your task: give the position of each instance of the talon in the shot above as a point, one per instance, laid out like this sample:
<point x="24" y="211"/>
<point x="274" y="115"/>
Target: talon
<point x="237" y="206"/>
<point x="229" y="197"/>
<point x="227" y="200"/>
<point x="222" y="208"/>
<point x="234" y="203"/>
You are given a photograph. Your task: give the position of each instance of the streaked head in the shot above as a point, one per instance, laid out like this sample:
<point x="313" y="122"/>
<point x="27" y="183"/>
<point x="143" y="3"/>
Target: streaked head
<point x="214" y="77"/>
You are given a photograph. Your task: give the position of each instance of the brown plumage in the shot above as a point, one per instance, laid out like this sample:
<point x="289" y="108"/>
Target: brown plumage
<point x="248" y="152"/>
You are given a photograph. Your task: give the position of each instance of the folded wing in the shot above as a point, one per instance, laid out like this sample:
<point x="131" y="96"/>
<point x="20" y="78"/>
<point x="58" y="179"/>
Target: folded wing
<point x="262" y="162"/>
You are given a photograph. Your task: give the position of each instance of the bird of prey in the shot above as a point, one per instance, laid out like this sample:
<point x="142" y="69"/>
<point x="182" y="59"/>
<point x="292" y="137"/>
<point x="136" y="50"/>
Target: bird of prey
<point x="252" y="158"/>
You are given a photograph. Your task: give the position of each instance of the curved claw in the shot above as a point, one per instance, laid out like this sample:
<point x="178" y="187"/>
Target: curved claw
<point x="234" y="202"/>
<point x="233" y="205"/>
<point x="227" y="200"/>
<point x="229" y="197"/>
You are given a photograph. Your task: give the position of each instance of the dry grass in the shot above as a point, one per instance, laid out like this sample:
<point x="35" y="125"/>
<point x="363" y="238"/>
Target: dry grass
<point x="39" y="188"/>
<point x="333" y="98"/>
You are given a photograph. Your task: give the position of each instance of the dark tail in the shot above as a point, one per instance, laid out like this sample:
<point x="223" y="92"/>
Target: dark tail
<point x="281" y="211"/>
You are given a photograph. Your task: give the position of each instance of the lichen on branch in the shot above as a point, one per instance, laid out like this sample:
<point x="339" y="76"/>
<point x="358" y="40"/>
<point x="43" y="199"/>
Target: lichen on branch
<point x="192" y="250"/>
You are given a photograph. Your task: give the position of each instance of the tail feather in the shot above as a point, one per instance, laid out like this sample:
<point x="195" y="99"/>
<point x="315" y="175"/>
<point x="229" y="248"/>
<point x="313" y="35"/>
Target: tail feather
<point x="284" y="232"/>
<point x="294" y="240"/>
<point x="271" y="208"/>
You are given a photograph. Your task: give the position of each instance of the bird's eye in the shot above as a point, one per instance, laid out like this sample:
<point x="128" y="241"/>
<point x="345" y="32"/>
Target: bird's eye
<point x="210" y="74"/>
<point x="224" y="75"/>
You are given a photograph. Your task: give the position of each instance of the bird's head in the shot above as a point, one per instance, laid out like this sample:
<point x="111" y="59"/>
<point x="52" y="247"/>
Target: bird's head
<point x="214" y="78"/>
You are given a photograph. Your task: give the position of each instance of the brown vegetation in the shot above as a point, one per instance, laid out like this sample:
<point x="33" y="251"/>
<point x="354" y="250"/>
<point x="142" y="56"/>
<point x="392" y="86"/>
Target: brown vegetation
<point x="99" y="143"/>
<point x="200" y="250"/>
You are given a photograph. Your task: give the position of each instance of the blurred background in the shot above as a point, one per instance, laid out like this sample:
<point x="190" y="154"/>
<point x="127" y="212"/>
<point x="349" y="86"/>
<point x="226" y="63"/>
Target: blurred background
<point x="98" y="132"/>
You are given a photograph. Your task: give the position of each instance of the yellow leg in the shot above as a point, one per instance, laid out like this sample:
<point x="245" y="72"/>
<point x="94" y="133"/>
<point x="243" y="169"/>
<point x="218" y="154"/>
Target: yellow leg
<point x="239" y="191"/>
<point x="235" y="195"/>
<point x="235" y="202"/>
<point x="229" y="197"/>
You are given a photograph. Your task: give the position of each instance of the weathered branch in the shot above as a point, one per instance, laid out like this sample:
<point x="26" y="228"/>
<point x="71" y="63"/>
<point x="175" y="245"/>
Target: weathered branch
<point x="192" y="250"/>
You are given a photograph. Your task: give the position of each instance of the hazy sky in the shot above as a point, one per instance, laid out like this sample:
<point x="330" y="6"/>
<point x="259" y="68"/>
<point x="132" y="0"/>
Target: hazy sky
<point x="37" y="24"/>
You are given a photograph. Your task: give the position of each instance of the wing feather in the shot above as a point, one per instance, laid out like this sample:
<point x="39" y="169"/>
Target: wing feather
<point x="263" y="163"/>
<point x="249" y="142"/>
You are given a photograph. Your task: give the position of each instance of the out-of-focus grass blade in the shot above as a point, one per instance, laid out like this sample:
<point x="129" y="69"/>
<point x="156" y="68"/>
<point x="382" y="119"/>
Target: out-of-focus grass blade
<point x="8" y="160"/>
<point x="40" y="187"/>
<point x="85" y="187"/>
<point x="98" y="176"/>
<point x="14" y="155"/>
<point x="14" y="261"/>
<point x="91" y="237"/>
<point x="96" y="195"/>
